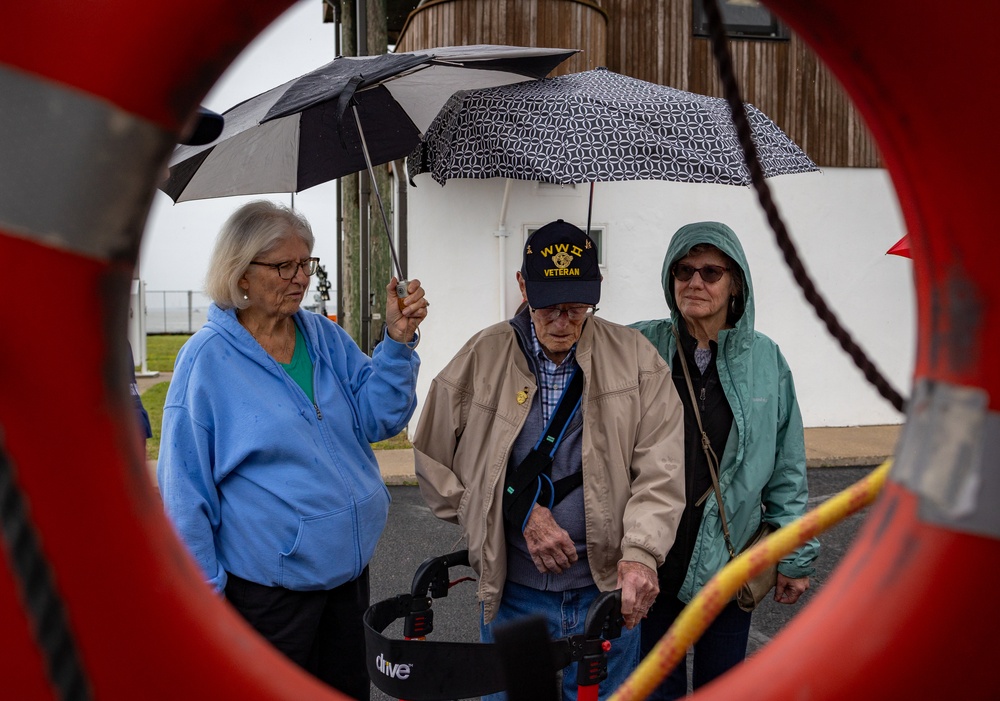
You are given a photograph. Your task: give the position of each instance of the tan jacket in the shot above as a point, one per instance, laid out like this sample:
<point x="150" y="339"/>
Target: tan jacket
<point x="633" y="448"/>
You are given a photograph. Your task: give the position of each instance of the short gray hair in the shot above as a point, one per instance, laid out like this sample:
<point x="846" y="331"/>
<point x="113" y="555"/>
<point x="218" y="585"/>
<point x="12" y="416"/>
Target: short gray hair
<point x="251" y="230"/>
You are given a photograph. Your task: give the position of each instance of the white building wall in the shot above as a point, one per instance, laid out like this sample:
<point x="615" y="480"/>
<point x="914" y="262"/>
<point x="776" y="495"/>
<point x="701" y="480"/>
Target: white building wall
<point x="842" y="221"/>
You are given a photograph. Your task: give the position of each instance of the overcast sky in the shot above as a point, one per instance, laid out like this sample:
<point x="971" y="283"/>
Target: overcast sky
<point x="178" y="238"/>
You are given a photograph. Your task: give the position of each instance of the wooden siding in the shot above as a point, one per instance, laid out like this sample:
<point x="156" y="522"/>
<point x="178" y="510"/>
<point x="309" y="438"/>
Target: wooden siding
<point x="573" y="24"/>
<point x="653" y="40"/>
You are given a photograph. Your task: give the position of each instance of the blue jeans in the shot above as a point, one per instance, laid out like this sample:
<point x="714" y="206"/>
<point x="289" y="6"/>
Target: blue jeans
<point x="565" y="612"/>
<point x="722" y="646"/>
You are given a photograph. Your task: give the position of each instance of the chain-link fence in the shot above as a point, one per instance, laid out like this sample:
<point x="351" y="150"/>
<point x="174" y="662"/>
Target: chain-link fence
<point x="175" y="311"/>
<point x="185" y="311"/>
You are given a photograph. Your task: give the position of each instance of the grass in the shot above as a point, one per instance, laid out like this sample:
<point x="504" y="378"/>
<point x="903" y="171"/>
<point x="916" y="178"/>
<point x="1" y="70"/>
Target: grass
<point x="161" y="352"/>
<point x="153" y="399"/>
<point x="400" y="442"/>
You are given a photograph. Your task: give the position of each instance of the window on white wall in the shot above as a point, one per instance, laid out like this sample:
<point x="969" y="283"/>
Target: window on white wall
<point x="742" y="19"/>
<point x="596" y="234"/>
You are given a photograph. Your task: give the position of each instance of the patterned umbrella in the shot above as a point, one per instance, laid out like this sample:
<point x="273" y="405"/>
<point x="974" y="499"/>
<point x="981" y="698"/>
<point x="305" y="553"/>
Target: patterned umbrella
<point x="597" y="126"/>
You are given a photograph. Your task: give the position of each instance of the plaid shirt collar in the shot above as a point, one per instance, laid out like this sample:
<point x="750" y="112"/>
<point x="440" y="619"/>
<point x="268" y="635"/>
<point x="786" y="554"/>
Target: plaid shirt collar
<point x="552" y="378"/>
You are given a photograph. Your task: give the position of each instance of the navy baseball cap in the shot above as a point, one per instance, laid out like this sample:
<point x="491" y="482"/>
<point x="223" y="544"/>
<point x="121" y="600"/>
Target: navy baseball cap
<point x="560" y="267"/>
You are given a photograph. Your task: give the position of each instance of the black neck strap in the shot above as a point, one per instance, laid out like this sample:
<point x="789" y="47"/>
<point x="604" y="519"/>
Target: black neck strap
<point x="530" y="483"/>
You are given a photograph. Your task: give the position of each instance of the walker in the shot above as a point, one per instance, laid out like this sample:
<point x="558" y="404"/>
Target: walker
<point x="523" y="661"/>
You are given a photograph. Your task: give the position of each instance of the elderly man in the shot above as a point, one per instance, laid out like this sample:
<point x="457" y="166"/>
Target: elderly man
<point x="555" y="439"/>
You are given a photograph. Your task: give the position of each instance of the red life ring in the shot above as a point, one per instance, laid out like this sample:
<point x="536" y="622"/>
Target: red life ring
<point x="94" y="81"/>
<point x="93" y="97"/>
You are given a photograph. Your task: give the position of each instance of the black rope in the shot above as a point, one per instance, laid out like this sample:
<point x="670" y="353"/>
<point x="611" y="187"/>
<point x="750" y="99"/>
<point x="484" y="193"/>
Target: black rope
<point x="720" y="48"/>
<point x="40" y="598"/>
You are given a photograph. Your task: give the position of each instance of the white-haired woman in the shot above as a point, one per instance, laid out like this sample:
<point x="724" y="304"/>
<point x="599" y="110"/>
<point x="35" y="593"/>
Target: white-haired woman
<point x="265" y="466"/>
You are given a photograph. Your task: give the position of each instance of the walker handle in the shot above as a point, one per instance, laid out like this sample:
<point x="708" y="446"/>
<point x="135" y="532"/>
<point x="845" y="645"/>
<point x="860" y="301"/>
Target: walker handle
<point x="432" y="575"/>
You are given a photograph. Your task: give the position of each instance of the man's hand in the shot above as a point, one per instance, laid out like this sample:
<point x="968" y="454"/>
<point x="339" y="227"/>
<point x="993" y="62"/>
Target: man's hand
<point x="639" y="587"/>
<point x="788" y="590"/>
<point x="551" y="548"/>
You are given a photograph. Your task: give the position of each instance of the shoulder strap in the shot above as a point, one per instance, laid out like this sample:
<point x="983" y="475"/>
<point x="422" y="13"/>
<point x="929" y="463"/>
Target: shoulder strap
<point x="706" y="445"/>
<point x="528" y="483"/>
<point x="569" y="402"/>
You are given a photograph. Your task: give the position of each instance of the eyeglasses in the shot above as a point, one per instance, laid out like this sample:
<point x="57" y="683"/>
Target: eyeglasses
<point x="290" y="268"/>
<point x="550" y="314"/>
<point x="709" y="273"/>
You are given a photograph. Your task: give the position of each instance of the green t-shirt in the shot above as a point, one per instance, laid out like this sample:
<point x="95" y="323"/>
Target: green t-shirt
<point x="301" y="367"/>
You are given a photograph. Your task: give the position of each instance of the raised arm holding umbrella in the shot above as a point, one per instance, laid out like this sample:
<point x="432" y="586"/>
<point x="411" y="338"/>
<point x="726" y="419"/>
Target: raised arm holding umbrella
<point x="265" y="465"/>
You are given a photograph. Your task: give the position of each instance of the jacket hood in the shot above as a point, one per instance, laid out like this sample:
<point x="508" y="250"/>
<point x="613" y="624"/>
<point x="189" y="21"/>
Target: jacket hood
<point x="723" y="238"/>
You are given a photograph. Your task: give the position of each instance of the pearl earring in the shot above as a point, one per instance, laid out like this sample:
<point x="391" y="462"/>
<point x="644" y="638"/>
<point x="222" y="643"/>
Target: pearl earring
<point x="245" y="297"/>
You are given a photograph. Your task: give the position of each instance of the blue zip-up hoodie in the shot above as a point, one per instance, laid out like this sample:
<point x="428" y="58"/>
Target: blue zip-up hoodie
<point x="265" y="484"/>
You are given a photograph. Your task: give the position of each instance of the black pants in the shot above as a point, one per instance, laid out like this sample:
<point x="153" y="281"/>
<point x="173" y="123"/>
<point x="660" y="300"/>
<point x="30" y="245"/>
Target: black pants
<point x="321" y="631"/>
<point x="722" y="646"/>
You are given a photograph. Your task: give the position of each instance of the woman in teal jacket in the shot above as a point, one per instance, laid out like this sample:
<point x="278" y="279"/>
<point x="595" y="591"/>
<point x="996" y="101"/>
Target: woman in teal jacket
<point x="746" y="399"/>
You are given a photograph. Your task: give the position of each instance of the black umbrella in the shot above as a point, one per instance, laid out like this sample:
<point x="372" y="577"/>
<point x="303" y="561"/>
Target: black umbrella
<point x="301" y="134"/>
<point x="309" y="130"/>
<point x="597" y="126"/>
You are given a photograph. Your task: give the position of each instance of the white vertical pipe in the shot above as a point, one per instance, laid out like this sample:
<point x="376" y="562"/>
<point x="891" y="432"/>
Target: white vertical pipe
<point x="501" y="234"/>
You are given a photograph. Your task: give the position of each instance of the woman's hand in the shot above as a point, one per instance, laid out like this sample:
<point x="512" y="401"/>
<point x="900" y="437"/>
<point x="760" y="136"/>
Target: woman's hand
<point x="402" y="319"/>
<point x="788" y="590"/>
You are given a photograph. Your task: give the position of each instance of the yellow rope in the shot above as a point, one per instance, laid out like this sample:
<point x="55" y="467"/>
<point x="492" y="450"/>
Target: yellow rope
<point x="719" y="590"/>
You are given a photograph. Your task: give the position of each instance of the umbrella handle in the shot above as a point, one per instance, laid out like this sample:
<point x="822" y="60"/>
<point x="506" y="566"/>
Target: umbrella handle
<point x="401" y="292"/>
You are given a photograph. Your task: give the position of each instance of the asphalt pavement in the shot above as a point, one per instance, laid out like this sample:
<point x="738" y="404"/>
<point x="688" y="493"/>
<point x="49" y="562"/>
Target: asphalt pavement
<point x="413" y="535"/>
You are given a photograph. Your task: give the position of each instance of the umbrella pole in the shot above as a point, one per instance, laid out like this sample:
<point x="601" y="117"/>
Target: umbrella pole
<point x="401" y="284"/>
<point x="590" y="208"/>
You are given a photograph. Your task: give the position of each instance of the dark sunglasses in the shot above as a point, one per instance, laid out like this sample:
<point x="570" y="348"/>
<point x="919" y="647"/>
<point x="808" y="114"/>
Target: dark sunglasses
<point x="709" y="273"/>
